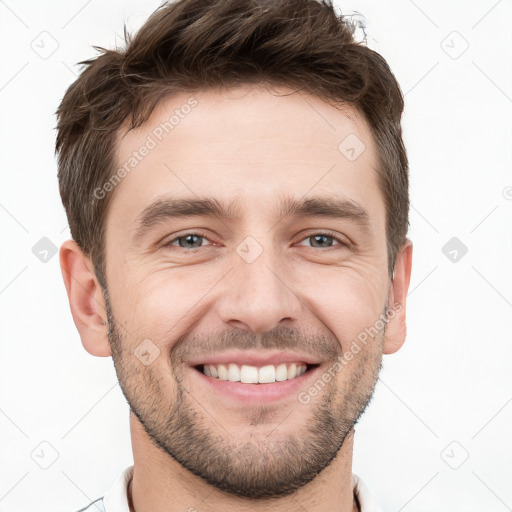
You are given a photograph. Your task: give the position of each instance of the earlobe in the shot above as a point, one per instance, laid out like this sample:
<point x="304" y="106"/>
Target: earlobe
<point x="396" y="330"/>
<point x="86" y="299"/>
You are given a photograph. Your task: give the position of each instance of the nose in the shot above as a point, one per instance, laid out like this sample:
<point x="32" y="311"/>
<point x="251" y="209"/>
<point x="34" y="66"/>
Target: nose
<point x="258" y="296"/>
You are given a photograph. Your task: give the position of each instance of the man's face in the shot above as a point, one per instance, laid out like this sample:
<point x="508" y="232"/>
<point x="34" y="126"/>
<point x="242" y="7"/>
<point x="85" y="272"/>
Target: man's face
<point x="258" y="288"/>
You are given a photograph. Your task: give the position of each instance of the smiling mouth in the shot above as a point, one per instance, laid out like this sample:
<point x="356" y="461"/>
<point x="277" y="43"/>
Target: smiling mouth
<point x="248" y="374"/>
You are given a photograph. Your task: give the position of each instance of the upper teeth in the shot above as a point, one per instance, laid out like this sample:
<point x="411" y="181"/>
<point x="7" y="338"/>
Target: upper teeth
<point x="252" y="374"/>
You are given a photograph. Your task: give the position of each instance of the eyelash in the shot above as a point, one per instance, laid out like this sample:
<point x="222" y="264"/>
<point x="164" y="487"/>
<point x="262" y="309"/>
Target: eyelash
<point x="328" y="234"/>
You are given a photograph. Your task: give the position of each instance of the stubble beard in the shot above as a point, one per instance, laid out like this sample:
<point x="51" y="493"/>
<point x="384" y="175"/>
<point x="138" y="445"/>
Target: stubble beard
<point x="261" y="466"/>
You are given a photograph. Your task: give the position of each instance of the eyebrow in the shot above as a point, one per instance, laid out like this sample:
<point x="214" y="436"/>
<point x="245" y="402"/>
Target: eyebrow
<point x="167" y="208"/>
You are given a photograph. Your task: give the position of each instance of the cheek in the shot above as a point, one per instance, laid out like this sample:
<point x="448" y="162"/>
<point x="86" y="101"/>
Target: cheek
<point x="162" y="304"/>
<point x="346" y="300"/>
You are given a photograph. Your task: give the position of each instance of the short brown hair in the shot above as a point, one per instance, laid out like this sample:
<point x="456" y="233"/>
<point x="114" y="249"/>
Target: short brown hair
<point x="194" y="45"/>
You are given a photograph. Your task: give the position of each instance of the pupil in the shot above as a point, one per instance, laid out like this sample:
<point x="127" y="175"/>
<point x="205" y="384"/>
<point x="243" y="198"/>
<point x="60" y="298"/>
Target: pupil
<point x="189" y="239"/>
<point x="318" y="237"/>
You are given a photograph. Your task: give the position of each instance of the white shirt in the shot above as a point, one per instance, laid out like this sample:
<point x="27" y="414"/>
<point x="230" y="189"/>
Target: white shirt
<point x="116" y="499"/>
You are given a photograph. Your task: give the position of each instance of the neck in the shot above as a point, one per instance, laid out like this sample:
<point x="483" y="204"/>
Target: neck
<point x="161" y="484"/>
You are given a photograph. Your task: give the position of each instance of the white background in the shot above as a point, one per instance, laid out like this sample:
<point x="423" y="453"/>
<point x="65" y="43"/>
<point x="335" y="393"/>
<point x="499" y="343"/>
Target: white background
<point x="445" y="396"/>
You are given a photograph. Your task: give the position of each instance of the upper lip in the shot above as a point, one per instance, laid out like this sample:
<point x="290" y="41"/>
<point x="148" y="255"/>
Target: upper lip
<point x="254" y="358"/>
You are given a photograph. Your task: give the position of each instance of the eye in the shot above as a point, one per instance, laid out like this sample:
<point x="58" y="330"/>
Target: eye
<point x="193" y="240"/>
<point x="187" y="241"/>
<point x="321" y="240"/>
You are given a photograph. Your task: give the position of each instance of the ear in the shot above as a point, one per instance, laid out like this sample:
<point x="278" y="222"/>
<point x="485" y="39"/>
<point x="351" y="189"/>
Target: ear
<point x="396" y="329"/>
<point x="85" y="299"/>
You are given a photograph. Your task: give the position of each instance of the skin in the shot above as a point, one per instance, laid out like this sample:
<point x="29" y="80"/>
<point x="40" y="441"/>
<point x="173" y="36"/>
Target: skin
<point x="195" y="449"/>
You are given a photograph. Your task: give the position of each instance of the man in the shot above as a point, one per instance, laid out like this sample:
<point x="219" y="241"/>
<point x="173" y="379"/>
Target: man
<point x="237" y="191"/>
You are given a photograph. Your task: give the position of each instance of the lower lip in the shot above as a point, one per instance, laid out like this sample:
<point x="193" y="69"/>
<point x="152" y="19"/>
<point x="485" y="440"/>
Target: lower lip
<point x="258" y="393"/>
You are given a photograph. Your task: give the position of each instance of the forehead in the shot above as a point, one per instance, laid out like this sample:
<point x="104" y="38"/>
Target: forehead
<point x="250" y="143"/>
